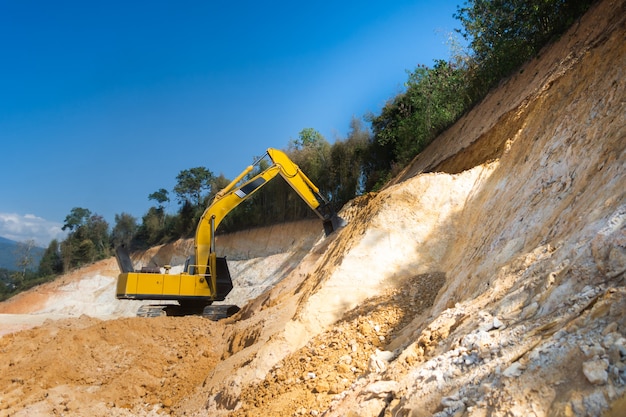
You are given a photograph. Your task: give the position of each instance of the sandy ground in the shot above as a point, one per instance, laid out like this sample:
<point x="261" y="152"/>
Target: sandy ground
<point x="486" y="280"/>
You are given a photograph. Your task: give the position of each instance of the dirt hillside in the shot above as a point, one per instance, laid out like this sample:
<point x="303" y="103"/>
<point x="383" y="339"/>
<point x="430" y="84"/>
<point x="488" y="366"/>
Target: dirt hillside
<point x="487" y="280"/>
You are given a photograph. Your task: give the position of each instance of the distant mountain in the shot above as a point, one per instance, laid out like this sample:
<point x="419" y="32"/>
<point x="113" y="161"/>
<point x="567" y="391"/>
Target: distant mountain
<point x="9" y="254"/>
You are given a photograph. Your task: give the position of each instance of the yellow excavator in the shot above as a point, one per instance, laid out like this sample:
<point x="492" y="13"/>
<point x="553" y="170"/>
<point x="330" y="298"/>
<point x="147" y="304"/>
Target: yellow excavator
<point x="205" y="277"/>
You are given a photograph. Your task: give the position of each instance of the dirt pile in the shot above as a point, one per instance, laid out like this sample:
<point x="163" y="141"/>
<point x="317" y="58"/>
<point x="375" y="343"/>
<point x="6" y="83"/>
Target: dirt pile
<point x="86" y="366"/>
<point x="487" y="280"/>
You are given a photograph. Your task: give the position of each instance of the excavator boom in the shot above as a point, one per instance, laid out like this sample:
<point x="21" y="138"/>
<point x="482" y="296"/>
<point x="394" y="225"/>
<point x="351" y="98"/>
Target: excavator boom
<point x="206" y="277"/>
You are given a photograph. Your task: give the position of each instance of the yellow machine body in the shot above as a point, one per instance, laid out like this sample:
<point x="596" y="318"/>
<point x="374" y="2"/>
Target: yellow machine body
<point x="143" y="285"/>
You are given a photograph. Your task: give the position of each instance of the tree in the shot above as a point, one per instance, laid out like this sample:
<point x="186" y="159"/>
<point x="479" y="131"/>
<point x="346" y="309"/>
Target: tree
<point x="160" y="196"/>
<point x="311" y="152"/>
<point x="77" y="217"/>
<point x="308" y="138"/>
<point x="187" y="219"/>
<point x="124" y="230"/>
<point x="88" y="239"/>
<point x="51" y="263"/>
<point x="346" y="164"/>
<point x="150" y="231"/>
<point x="217" y="184"/>
<point x="24" y="262"/>
<point x="503" y="34"/>
<point x="434" y="99"/>
<point x="191" y="183"/>
<point x="98" y="235"/>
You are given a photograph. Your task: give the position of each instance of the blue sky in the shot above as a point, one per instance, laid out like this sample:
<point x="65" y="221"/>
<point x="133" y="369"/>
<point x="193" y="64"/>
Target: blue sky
<point x="103" y="103"/>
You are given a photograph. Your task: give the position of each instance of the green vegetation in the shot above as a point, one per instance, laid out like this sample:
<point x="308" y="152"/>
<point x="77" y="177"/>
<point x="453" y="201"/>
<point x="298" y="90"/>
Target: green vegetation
<point x="21" y="275"/>
<point x="502" y="35"/>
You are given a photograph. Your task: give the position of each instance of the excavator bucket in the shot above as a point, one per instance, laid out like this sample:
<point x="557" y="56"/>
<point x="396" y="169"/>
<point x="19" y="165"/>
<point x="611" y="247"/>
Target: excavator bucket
<point x="333" y="223"/>
<point x="224" y="281"/>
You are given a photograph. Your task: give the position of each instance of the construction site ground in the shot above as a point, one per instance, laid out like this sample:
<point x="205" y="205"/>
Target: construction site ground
<point x="488" y="279"/>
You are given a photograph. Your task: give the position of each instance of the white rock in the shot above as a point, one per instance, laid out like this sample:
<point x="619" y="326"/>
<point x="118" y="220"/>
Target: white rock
<point x="514" y="370"/>
<point x="596" y="371"/>
<point x="378" y="361"/>
<point x="347" y="359"/>
<point x="530" y="310"/>
<point x="376" y="365"/>
<point x="382" y="388"/>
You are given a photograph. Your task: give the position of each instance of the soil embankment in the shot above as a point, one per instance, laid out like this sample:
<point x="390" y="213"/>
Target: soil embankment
<point x="488" y="279"/>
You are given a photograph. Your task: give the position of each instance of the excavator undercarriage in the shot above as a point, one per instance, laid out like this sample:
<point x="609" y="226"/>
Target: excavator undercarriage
<point x="213" y="312"/>
<point x="150" y="284"/>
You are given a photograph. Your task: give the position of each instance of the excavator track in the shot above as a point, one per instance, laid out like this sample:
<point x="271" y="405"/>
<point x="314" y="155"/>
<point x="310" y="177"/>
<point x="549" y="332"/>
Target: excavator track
<point x="152" y="311"/>
<point x="211" y="312"/>
<point x="218" y="312"/>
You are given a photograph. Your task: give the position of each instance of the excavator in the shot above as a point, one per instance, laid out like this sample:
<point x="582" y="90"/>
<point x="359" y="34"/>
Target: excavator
<point x="205" y="277"/>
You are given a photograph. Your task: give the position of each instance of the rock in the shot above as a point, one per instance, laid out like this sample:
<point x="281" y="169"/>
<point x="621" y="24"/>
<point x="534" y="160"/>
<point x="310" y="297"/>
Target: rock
<point x="514" y="370"/>
<point x="379" y="360"/>
<point x="376" y="365"/>
<point x="343" y="368"/>
<point x="593" y="350"/>
<point x="616" y="264"/>
<point x="347" y="359"/>
<point x="530" y="310"/>
<point x="453" y="407"/>
<point x="486" y="321"/>
<point x="321" y="387"/>
<point x="610" y="328"/>
<point x="596" y="371"/>
<point x="335" y="389"/>
<point x="382" y="388"/>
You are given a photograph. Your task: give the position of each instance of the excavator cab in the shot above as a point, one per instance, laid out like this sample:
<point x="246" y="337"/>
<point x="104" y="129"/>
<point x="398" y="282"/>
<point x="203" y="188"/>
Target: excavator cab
<point x="224" y="281"/>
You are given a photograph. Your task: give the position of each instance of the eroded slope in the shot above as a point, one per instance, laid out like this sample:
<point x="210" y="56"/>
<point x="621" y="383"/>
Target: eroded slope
<point x="488" y="280"/>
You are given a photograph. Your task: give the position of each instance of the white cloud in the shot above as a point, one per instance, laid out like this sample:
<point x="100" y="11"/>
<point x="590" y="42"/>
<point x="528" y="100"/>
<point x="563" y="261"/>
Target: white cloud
<point x="28" y="226"/>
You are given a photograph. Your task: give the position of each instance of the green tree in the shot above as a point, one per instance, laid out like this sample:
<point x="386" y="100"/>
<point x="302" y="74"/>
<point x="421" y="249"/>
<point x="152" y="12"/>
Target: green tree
<point x="217" y="184"/>
<point x="346" y="164"/>
<point x="88" y="239"/>
<point x="98" y="234"/>
<point x="434" y="99"/>
<point x="311" y="152"/>
<point x="187" y="219"/>
<point x="503" y="34"/>
<point x="51" y="263"/>
<point x="78" y="217"/>
<point x="161" y="196"/>
<point x="124" y="230"/>
<point x="308" y="138"/>
<point x="191" y="183"/>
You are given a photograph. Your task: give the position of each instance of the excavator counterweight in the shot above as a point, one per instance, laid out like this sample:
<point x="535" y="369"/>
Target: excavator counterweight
<point x="205" y="277"/>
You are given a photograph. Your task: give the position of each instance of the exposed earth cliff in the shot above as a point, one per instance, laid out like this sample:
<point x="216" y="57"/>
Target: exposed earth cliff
<point x="487" y="280"/>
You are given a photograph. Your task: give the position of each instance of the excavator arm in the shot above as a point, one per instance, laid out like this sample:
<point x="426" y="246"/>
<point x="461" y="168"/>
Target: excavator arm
<point x="206" y="277"/>
<point x="232" y="195"/>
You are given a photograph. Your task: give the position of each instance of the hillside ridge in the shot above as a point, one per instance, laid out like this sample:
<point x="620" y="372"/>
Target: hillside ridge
<point x="486" y="279"/>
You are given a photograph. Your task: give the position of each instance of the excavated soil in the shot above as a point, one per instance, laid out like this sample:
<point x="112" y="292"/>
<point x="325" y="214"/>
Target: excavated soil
<point x="86" y="366"/>
<point x="488" y="279"/>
